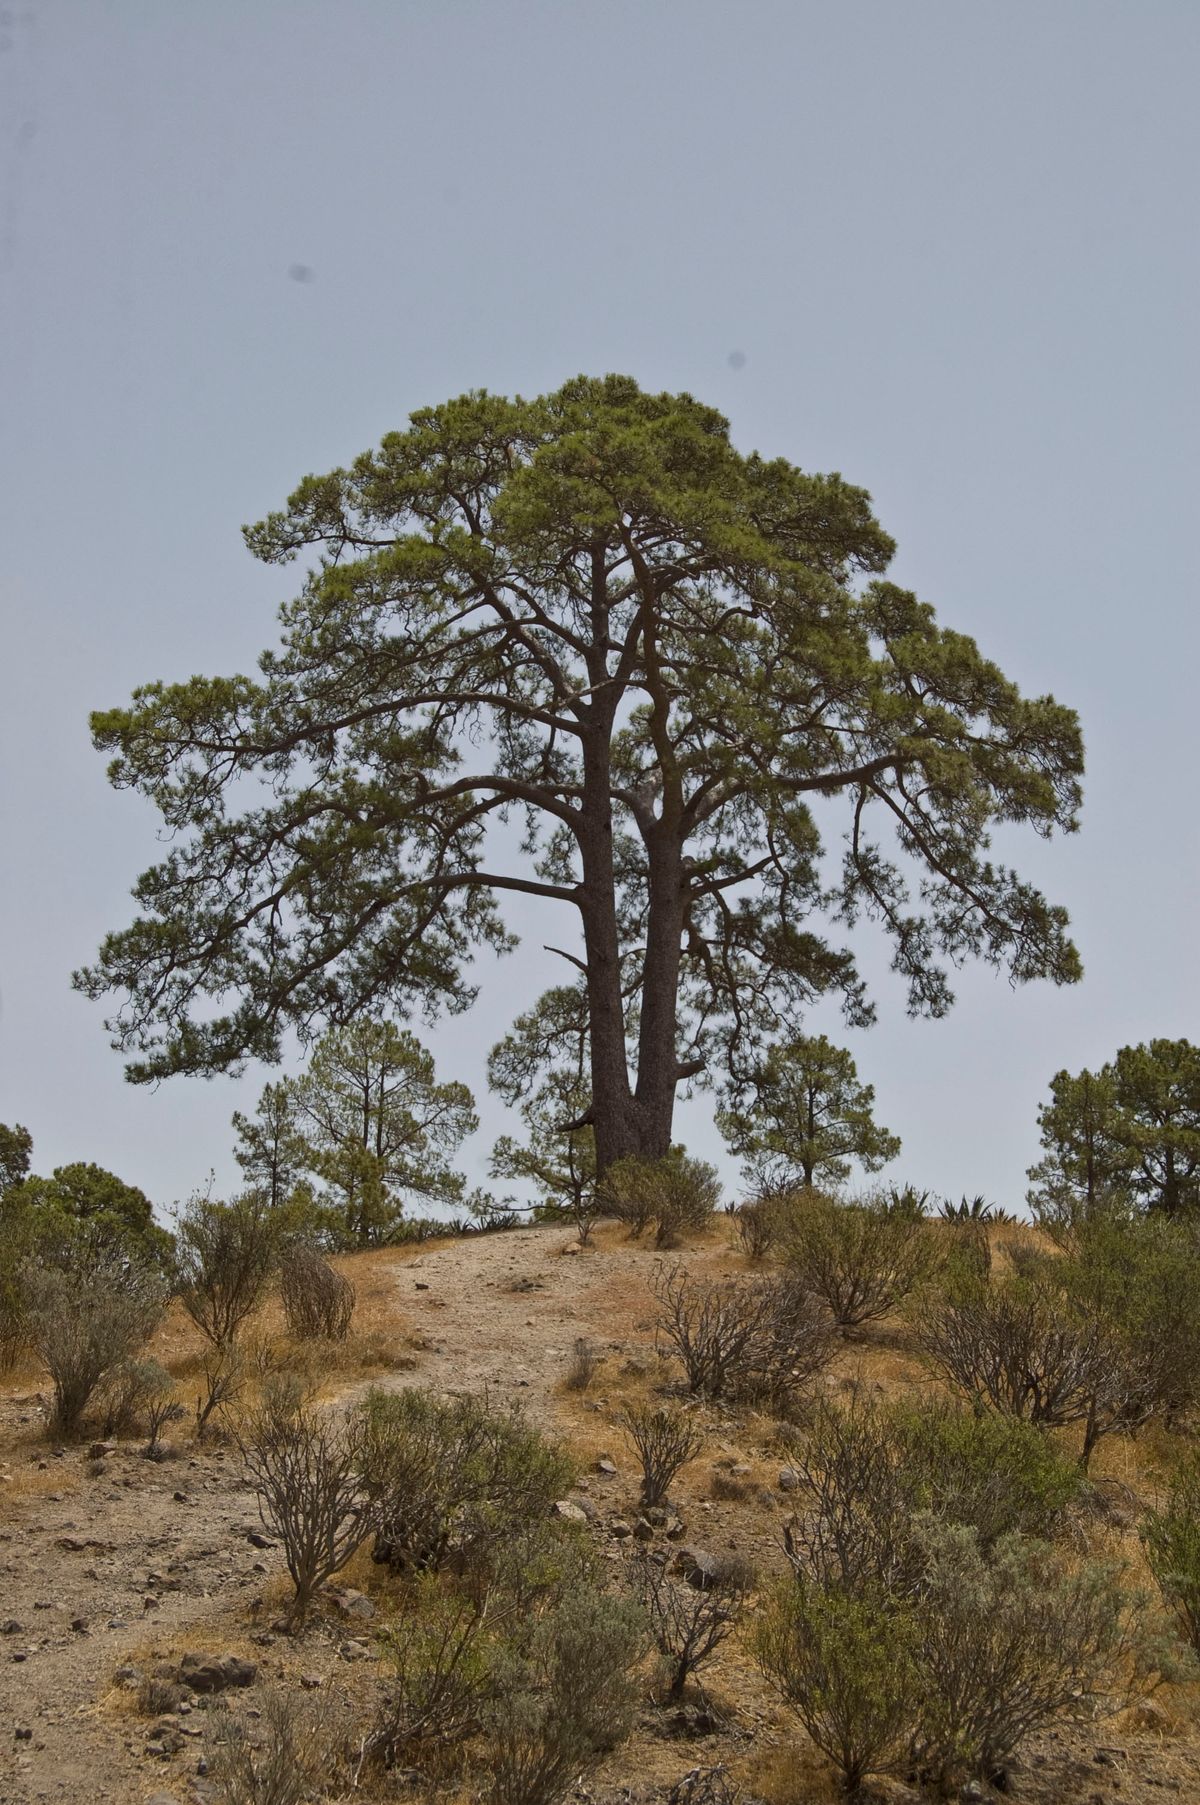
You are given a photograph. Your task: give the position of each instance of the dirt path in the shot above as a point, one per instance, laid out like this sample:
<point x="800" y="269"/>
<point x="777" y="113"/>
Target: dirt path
<point x="100" y="1561"/>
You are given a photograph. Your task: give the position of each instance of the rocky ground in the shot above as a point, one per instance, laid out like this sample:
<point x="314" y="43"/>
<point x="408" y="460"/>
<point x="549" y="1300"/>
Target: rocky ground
<point x="115" y="1569"/>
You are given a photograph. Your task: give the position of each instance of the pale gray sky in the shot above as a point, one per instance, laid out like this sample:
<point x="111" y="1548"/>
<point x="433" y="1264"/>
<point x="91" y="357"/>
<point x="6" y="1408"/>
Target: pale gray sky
<point x="947" y="248"/>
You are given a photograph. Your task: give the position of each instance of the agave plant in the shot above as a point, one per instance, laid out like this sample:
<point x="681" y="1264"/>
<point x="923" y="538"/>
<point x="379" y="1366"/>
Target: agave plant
<point x="973" y="1209"/>
<point x="906" y="1201"/>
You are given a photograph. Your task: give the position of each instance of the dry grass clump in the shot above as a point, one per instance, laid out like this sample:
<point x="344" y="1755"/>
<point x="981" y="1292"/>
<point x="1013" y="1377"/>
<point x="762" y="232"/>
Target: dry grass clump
<point x="318" y="1301"/>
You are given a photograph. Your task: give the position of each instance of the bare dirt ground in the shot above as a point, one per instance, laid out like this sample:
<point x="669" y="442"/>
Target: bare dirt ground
<point x="119" y="1562"/>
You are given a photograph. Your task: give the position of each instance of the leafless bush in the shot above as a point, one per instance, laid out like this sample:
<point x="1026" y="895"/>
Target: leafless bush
<point x="225" y="1370"/>
<point x="705" y="1786"/>
<point x="677" y="1193"/>
<point x="282" y="1760"/>
<point x="317" y="1301"/>
<point x="863" y="1259"/>
<point x="756" y="1339"/>
<point x="850" y="1528"/>
<point x="584" y="1361"/>
<point x="225" y="1254"/>
<point x="85" y="1320"/>
<point x="688" y="1625"/>
<point x="1018" y="1346"/>
<point x="306" y="1468"/>
<point x="665" y="1438"/>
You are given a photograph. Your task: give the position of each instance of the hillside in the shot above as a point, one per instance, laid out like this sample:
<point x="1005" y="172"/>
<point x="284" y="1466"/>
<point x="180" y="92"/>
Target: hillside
<point x="112" y="1562"/>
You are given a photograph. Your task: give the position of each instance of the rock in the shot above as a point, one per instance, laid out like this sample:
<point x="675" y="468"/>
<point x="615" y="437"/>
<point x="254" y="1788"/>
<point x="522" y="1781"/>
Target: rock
<point x="100" y="1450"/>
<point x="1148" y="1714"/>
<point x="354" y="1650"/>
<point x="568" y="1512"/>
<point x="607" y="1467"/>
<point x="257" y="1539"/>
<point x="351" y="1603"/>
<point x="10" y="1627"/>
<point x="164" y="1737"/>
<point x="311" y="1681"/>
<point x="698" y="1567"/>
<point x="643" y="1531"/>
<point x="22" y="1733"/>
<point x="789" y="1480"/>
<point x="127" y="1676"/>
<point x="215" y="1673"/>
<point x="620" y="1532"/>
<point x="79" y="1625"/>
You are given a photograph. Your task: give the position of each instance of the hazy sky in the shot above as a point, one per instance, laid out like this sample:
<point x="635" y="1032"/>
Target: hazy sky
<point x="949" y="249"/>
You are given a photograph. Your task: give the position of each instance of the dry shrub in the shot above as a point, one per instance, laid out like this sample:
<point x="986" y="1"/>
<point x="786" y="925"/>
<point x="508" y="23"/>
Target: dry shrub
<point x="584" y="1361"/>
<point x="318" y="1302"/>
<point x="306" y="1468"/>
<point x="226" y="1254"/>
<point x="283" y="1759"/>
<point x="705" y="1786"/>
<point x="1171" y="1539"/>
<point x="688" y="1624"/>
<point x="85" y="1319"/>
<point x="757" y="1340"/>
<point x="1016" y="1345"/>
<point x="862" y="1259"/>
<point x="665" y="1438"/>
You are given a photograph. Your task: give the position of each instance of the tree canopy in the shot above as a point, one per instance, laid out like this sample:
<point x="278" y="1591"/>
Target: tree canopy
<point x="369" y="1121"/>
<point x="807" y="1117"/>
<point x="590" y="616"/>
<point x="1129" y="1133"/>
<point x="84" y="1202"/>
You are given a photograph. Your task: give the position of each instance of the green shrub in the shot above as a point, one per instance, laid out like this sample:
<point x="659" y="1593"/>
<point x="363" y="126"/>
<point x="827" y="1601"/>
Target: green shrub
<point x="437" y="1658"/>
<point x="862" y="1259"/>
<point x="679" y="1194"/>
<point x="85" y="1319"/>
<point x="452" y="1474"/>
<point x="226" y="1254"/>
<point x="1007" y="1642"/>
<point x="844" y="1661"/>
<point x="995" y="1474"/>
<point x="564" y="1695"/>
<point x="1171" y="1539"/>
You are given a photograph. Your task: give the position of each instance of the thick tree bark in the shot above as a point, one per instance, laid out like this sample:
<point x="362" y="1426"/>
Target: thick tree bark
<point x="658" y="1065"/>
